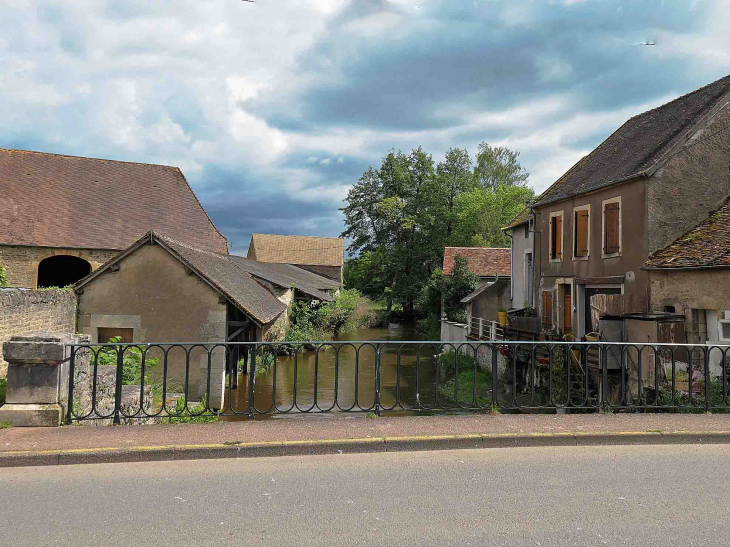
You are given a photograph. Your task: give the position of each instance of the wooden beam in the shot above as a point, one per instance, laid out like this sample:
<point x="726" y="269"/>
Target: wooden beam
<point x="232" y="336"/>
<point x="608" y="280"/>
<point x="239" y="323"/>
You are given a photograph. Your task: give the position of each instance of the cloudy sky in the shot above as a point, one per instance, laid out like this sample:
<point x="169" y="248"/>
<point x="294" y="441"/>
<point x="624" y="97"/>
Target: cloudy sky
<point x="274" y="108"/>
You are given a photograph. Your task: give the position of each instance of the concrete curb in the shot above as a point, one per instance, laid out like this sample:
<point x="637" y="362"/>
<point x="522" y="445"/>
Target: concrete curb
<point x="237" y="449"/>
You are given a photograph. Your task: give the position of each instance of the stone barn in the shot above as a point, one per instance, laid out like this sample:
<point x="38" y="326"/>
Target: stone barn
<point x="64" y="216"/>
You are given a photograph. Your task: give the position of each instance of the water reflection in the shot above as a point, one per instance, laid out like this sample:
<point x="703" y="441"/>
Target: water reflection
<point x="307" y="382"/>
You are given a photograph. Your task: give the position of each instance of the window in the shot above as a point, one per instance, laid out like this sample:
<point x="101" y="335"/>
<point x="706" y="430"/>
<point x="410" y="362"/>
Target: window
<point x="612" y="227"/>
<point x="725" y="331"/>
<point x="104" y="334"/>
<point x="581" y="231"/>
<point x="556" y="236"/>
<point x="527" y="229"/>
<point x="547" y="309"/>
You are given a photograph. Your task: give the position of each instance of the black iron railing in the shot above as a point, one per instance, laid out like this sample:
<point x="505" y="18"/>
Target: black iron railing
<point x="121" y="383"/>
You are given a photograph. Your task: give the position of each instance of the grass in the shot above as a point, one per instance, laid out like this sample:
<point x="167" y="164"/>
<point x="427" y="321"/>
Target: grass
<point x="465" y="390"/>
<point x="185" y="415"/>
<point x="3" y="383"/>
<point x="5" y="424"/>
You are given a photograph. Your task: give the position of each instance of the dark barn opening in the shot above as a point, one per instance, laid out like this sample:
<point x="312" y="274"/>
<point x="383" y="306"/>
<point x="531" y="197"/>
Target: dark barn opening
<point x="62" y="270"/>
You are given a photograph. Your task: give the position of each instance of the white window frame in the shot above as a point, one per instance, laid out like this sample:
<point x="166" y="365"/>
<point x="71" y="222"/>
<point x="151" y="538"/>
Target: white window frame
<point x="603" y="227"/>
<point x="575" y="232"/>
<point x="550" y="235"/>
<point x="720" y="323"/>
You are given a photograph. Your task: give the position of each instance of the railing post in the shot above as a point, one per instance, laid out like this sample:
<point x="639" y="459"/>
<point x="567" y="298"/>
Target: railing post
<point x="494" y="374"/>
<point x="252" y="385"/>
<point x="481" y="328"/>
<point x="71" y="372"/>
<point x="377" y="379"/>
<point x="707" y="378"/>
<point x="118" y="387"/>
<point x="494" y="331"/>
<point x="604" y="374"/>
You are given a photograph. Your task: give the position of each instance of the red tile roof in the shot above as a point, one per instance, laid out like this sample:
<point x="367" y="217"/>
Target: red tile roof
<point x="483" y="261"/>
<point x="706" y="246"/>
<point x="67" y="201"/>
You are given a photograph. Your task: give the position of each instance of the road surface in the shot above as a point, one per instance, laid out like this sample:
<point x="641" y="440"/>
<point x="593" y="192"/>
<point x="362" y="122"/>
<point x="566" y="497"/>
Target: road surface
<point x="634" y="495"/>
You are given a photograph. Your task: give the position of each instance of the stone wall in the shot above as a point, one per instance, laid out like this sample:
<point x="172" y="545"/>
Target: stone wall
<point x="276" y="330"/>
<point x="694" y="182"/>
<point x="22" y="261"/>
<point x="23" y="311"/>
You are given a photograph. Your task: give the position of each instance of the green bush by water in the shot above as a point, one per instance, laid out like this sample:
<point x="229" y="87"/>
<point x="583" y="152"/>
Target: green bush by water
<point x="132" y="362"/>
<point x="465" y="390"/>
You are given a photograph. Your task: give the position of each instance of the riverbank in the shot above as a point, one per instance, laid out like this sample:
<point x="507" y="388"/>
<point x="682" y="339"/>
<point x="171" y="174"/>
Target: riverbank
<point x="327" y="434"/>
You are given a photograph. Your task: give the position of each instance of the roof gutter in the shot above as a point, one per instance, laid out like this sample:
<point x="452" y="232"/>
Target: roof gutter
<point x="683" y="268"/>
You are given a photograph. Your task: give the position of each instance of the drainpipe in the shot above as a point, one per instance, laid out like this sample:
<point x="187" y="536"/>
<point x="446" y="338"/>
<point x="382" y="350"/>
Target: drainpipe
<point x="531" y="218"/>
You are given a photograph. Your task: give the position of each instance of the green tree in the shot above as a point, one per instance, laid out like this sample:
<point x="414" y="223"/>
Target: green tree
<point x="456" y="286"/>
<point x="499" y="166"/>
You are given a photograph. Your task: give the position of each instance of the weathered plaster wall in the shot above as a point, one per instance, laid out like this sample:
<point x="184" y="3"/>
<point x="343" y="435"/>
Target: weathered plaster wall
<point x="520" y="245"/>
<point x="34" y="311"/>
<point x="685" y="290"/>
<point x="487" y="303"/>
<point x="633" y="253"/>
<point x="153" y="294"/>
<point x="694" y="182"/>
<point x="277" y="329"/>
<point x="22" y="262"/>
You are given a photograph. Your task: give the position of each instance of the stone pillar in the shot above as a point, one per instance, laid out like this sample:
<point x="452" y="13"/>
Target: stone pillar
<point x="38" y="375"/>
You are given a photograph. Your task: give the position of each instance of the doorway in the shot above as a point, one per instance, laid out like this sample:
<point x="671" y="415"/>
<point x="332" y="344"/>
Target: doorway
<point x="62" y="271"/>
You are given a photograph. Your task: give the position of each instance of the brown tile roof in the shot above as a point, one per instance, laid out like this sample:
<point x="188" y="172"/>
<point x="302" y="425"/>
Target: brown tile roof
<point x="523" y="217"/>
<point x="67" y="201"/>
<point x="706" y="246"/>
<point x="305" y="250"/>
<point x="287" y="276"/>
<point x="638" y="145"/>
<point x="218" y="270"/>
<point x="482" y="261"/>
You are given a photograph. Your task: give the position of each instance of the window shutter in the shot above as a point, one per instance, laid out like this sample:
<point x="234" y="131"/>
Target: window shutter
<point x="558" y="245"/>
<point x="581" y="235"/>
<point x="547" y="309"/>
<point x="611" y="213"/>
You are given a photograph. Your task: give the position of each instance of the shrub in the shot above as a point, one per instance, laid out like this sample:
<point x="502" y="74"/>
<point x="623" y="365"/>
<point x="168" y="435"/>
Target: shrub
<point x="132" y="363"/>
<point x="310" y="321"/>
<point x="3" y="276"/>
<point x="3" y="383"/>
<point x="185" y="415"/>
<point x="465" y="391"/>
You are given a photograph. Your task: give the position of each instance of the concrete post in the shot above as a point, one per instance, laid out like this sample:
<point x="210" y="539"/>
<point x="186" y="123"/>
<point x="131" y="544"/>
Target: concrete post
<point x="38" y="376"/>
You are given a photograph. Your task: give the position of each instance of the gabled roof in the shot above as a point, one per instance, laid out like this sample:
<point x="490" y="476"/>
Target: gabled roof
<point x="472" y="295"/>
<point x="706" y="246"/>
<point x="640" y="145"/>
<point x="287" y="276"/>
<point x="305" y="250"/>
<point x="483" y="261"/>
<point x="218" y="270"/>
<point x="53" y="200"/>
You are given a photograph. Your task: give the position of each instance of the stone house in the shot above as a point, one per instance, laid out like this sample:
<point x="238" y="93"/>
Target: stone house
<point x="653" y="179"/>
<point x="160" y="290"/>
<point x="64" y="216"/>
<point x="691" y="276"/>
<point x="321" y="255"/>
<point x="492" y="266"/>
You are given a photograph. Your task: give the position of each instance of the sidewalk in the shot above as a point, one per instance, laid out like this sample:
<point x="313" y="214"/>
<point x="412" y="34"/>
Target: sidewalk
<point x="328" y="435"/>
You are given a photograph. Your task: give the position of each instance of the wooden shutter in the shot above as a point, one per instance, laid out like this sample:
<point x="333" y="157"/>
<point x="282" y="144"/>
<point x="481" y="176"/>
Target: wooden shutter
<point x="104" y="334"/>
<point x="556" y="235"/>
<point x="581" y="233"/>
<point x="547" y="309"/>
<point x="567" y="310"/>
<point x="611" y="219"/>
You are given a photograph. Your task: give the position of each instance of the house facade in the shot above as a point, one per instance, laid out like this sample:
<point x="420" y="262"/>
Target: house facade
<point x="522" y="251"/>
<point x="64" y="216"/>
<point x="321" y="255"/>
<point x="654" y="178"/>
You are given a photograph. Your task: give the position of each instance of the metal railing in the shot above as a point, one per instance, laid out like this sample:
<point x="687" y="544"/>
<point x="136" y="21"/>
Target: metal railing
<point x="121" y="383"/>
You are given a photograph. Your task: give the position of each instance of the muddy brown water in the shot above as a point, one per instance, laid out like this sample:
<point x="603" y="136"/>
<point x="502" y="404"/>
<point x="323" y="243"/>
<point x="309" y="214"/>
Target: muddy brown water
<point x="351" y="371"/>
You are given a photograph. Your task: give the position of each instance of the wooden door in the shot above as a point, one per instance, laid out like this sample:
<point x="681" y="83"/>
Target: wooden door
<point x="567" y="310"/>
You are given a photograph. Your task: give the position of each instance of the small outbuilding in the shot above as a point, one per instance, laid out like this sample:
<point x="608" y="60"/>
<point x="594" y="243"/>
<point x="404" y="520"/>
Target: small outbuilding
<point x="160" y="290"/>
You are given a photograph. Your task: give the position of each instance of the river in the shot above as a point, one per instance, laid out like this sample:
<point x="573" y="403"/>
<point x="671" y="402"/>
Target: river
<point x="349" y="370"/>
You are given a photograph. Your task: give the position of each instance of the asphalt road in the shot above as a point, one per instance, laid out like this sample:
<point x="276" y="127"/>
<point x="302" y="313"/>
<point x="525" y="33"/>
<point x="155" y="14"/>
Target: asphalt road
<point x="633" y="495"/>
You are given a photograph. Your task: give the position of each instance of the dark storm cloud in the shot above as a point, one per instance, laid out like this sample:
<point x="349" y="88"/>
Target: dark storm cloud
<point x="273" y="113"/>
